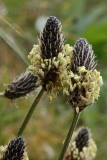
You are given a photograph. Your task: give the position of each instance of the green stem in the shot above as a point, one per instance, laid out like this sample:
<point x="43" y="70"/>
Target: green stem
<point x="2" y="95"/>
<point x="69" y="135"/>
<point x="30" y="112"/>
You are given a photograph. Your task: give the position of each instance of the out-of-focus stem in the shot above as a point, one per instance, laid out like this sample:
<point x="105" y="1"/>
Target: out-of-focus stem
<point x="69" y="135"/>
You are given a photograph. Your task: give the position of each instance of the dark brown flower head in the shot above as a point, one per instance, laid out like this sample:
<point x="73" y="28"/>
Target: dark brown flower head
<point x="86" y="80"/>
<point x="83" y="56"/>
<point x="15" y="150"/>
<point x="81" y="146"/>
<point x="86" y="90"/>
<point x="50" y="58"/>
<point x="51" y="38"/>
<point x="21" y="86"/>
<point x="82" y="138"/>
<point x="51" y="44"/>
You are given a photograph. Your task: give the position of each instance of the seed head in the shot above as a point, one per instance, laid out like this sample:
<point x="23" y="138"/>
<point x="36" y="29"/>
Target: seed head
<point x="86" y="80"/>
<point x="83" y="56"/>
<point x="82" y="138"/>
<point x="50" y="58"/>
<point x="51" y="44"/>
<point x="51" y="38"/>
<point x="21" y="86"/>
<point x="15" y="150"/>
<point x="81" y="146"/>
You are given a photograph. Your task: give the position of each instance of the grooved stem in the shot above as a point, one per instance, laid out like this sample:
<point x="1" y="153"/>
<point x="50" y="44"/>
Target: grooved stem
<point x="30" y="112"/>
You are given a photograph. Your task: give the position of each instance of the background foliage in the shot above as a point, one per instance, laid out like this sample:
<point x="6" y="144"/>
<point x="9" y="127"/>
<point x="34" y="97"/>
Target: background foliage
<point x="20" y="23"/>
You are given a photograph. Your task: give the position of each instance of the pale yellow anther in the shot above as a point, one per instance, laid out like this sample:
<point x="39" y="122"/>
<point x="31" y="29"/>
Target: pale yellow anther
<point x="41" y="72"/>
<point x="68" y="49"/>
<point x="46" y="60"/>
<point x="74" y="86"/>
<point x="36" y="47"/>
<point x="49" y="67"/>
<point x="31" y="68"/>
<point x="71" y="88"/>
<point x="43" y="65"/>
<point x="2" y="150"/>
<point x="77" y="78"/>
<point x="71" y="74"/>
<point x="68" y="59"/>
<point x="56" y="63"/>
<point x="62" y="61"/>
<point x="75" y="153"/>
<point x="73" y="145"/>
<point x="77" y="109"/>
<point x="46" y="63"/>
<point x="25" y="156"/>
<point x="81" y="69"/>
<point x="84" y="149"/>
<point x="81" y="155"/>
<point x="29" y="57"/>
<point x="62" y="76"/>
<point x="37" y="57"/>
<point x="54" y="58"/>
<point x="65" y="92"/>
<point x="39" y="83"/>
<point x="84" y="84"/>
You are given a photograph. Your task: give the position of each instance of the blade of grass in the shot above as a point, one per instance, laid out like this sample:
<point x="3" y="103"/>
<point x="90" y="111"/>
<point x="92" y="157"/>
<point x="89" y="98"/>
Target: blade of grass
<point x="13" y="45"/>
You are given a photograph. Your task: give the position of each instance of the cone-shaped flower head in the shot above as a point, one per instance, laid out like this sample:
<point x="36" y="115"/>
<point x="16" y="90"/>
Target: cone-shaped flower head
<point x="51" y="43"/>
<point x="15" y="150"/>
<point x="50" y="58"/>
<point x="86" y="81"/>
<point x="81" y="146"/>
<point x="51" y="38"/>
<point x="21" y="86"/>
<point x="83" y="56"/>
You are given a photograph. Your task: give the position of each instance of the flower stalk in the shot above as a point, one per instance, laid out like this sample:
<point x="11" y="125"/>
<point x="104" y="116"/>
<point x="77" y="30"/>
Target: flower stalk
<point x="69" y="135"/>
<point x="30" y="112"/>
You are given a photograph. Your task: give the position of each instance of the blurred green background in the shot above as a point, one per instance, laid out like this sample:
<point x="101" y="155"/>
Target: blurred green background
<point x="20" y="24"/>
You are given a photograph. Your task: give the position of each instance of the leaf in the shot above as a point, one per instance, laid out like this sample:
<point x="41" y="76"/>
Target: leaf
<point x="11" y="42"/>
<point x="89" y="18"/>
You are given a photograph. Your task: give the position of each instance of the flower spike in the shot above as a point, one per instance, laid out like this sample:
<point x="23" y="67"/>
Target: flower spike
<point x="51" y="38"/>
<point x="21" y="86"/>
<point x="15" y="150"/>
<point x="86" y="80"/>
<point x="81" y="146"/>
<point x="83" y="55"/>
<point x="50" y="58"/>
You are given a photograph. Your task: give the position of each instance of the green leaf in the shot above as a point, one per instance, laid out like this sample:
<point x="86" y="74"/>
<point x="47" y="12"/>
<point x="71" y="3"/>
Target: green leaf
<point x="11" y="42"/>
<point x="89" y="18"/>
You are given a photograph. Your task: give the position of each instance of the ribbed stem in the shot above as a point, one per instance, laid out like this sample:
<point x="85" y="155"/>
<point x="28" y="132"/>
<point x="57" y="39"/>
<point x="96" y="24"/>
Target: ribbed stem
<point x="30" y="112"/>
<point x="2" y="95"/>
<point x="69" y="135"/>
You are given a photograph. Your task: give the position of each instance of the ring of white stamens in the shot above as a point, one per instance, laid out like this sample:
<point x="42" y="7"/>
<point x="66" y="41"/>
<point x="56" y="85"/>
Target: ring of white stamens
<point x="42" y="66"/>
